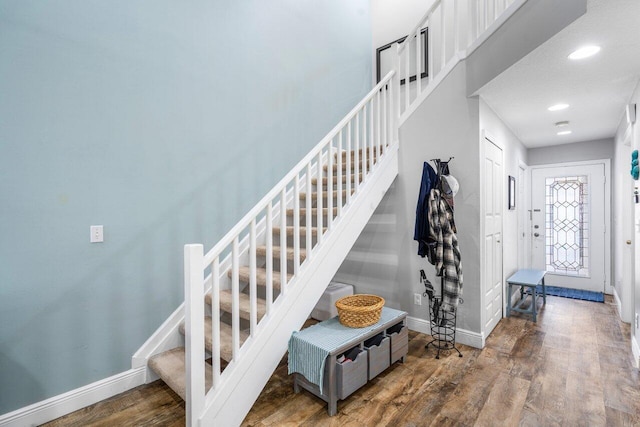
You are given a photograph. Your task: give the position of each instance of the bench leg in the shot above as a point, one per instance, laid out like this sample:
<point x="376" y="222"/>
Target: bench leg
<point x="544" y="292"/>
<point x="534" y="304"/>
<point x="509" y="300"/>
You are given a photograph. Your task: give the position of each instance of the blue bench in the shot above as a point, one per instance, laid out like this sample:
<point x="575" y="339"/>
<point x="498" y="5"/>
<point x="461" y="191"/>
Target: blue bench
<point x="528" y="280"/>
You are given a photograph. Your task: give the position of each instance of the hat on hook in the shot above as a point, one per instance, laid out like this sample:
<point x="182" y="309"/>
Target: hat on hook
<point x="450" y="185"/>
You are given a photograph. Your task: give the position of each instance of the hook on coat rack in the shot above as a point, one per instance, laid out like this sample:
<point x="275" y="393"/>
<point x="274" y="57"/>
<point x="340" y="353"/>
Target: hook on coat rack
<point x="442" y="168"/>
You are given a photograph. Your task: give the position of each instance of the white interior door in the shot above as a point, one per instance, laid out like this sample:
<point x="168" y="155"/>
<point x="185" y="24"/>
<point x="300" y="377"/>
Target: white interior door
<point x="568" y="225"/>
<point x="493" y="201"/>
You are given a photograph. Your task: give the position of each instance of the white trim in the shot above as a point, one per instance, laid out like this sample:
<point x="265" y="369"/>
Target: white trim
<point x="57" y="406"/>
<point x="635" y="349"/>
<point x="463" y="336"/>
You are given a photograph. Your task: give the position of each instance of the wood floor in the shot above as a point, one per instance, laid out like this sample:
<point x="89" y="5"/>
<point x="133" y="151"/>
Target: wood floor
<point x="572" y="368"/>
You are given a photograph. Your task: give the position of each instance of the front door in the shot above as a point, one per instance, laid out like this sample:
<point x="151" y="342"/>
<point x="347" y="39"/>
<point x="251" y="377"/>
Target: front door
<point x="568" y="225"/>
<point x="493" y="201"/>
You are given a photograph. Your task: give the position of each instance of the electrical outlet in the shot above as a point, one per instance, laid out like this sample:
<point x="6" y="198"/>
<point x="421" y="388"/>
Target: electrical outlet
<point x="417" y="299"/>
<point x="97" y="234"/>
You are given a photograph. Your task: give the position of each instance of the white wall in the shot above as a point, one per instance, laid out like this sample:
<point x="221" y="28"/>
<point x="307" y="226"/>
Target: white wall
<point x="515" y="155"/>
<point x="576" y="152"/>
<point x="621" y="165"/>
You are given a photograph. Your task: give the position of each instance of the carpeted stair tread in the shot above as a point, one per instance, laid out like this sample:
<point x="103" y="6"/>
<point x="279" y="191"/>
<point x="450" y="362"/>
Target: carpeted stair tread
<point x="261" y="276"/>
<point x="226" y="304"/>
<point x="314" y="212"/>
<point x="344" y="166"/>
<point x="314" y="181"/>
<point x="303" y="230"/>
<point x="325" y="194"/>
<point x="353" y="153"/>
<point x="262" y="251"/>
<point x="170" y="366"/>
<point x="226" y="345"/>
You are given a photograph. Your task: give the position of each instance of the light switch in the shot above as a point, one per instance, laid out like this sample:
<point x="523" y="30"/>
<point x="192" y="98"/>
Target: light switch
<point x="97" y="234"/>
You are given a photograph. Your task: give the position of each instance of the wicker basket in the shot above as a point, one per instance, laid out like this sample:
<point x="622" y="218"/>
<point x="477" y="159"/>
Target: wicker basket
<point x="360" y="310"/>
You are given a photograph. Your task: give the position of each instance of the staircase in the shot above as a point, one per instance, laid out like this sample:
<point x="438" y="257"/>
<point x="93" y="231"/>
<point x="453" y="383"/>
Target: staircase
<point x="245" y="296"/>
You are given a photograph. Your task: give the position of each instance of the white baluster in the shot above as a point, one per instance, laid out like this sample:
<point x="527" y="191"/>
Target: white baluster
<point x="349" y="171"/>
<point x="253" y="287"/>
<point x="356" y="165"/>
<point x="456" y="27"/>
<point x="407" y="69"/>
<point x="364" y="140"/>
<point x="215" y="321"/>
<point x="296" y="223"/>
<point x="385" y="126"/>
<point x="283" y="241"/>
<point x="319" y="189"/>
<point x="235" y="298"/>
<point x="443" y="30"/>
<point x="308" y="220"/>
<point x="371" y="134"/>
<point x="269" y="261"/>
<point x="430" y="53"/>
<point x="418" y="65"/>
<point x="330" y="176"/>
<point x="194" y="325"/>
<point x="339" y="175"/>
<point x="378" y="141"/>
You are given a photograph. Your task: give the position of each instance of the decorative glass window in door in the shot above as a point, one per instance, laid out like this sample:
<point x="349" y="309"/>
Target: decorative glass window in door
<point x="567" y="225"/>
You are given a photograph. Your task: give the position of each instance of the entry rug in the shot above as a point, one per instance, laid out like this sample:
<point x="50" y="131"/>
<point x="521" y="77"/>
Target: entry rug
<point x="572" y="293"/>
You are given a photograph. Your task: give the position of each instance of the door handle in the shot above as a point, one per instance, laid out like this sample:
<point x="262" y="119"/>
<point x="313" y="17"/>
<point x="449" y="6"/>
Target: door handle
<point x="536" y="234"/>
<point x="628" y="242"/>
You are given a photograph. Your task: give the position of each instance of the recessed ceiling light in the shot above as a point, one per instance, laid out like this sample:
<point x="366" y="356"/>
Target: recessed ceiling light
<point x="562" y="124"/>
<point x="558" y="107"/>
<point x="564" y="132"/>
<point x="584" y="52"/>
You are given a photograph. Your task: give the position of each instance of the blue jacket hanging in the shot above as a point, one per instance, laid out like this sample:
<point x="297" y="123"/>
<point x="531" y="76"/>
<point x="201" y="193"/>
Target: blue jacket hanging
<point x="421" y="233"/>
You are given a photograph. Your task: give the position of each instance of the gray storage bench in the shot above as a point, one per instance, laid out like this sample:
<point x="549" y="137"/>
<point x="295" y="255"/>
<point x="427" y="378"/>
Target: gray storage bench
<point x="314" y="353"/>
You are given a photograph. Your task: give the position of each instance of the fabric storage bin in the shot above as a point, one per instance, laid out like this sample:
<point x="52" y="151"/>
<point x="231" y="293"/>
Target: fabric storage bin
<point x="326" y="306"/>
<point x="378" y="352"/>
<point x="399" y="335"/>
<point x="351" y="375"/>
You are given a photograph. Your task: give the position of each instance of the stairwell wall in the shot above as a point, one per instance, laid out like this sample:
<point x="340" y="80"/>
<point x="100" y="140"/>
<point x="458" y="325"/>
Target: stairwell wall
<point x="165" y="123"/>
<point x="446" y="124"/>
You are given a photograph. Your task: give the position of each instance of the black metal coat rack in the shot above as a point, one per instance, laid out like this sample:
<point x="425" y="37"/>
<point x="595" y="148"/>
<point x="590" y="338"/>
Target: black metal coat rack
<point x="443" y="322"/>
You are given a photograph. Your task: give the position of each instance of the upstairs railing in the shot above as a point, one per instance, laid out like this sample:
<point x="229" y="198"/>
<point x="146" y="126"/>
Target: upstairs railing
<point x="447" y="29"/>
<point x="365" y="133"/>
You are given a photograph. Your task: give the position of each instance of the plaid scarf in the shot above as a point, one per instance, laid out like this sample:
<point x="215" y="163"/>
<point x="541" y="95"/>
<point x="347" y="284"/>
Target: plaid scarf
<point x="447" y="257"/>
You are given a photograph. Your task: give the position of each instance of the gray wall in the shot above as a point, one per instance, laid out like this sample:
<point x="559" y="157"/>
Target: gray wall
<point x="384" y="260"/>
<point x="165" y="122"/>
<point x="576" y="152"/>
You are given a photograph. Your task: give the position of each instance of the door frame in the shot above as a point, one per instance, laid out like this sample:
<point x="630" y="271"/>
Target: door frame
<point x="485" y="135"/>
<point x="608" y="289"/>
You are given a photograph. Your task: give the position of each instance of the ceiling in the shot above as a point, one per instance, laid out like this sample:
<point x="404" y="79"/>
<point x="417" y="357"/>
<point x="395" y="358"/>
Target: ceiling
<point x="596" y="88"/>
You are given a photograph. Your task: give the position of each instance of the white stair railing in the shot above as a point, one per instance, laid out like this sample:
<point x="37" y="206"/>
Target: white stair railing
<point x="365" y="133"/>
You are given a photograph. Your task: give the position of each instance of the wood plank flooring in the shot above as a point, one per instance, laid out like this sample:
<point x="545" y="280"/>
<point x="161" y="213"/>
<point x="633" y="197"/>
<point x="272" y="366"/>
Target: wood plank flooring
<point x="571" y="368"/>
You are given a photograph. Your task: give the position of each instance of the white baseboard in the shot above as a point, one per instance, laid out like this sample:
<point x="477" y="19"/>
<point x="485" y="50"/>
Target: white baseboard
<point x="57" y="406"/>
<point x="635" y="349"/>
<point x="618" y="303"/>
<point x="463" y="336"/>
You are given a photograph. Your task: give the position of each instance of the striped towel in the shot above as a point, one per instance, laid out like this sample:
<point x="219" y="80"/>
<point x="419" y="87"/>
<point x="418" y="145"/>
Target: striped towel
<point x="309" y="348"/>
